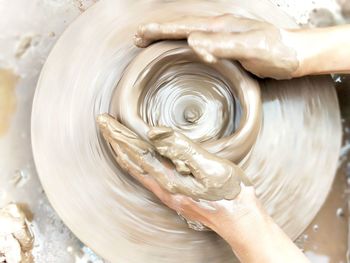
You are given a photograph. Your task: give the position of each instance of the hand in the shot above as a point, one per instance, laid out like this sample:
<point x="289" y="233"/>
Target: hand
<point x="242" y="222"/>
<point x="260" y="47"/>
<point x="199" y="175"/>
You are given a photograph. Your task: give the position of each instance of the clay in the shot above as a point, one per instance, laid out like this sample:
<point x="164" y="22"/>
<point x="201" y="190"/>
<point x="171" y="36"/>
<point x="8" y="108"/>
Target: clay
<point x="291" y="163"/>
<point x="229" y="36"/>
<point x="161" y="93"/>
<point x="198" y="174"/>
<point x="23" y="46"/>
<point x="16" y="239"/>
<point x="8" y="82"/>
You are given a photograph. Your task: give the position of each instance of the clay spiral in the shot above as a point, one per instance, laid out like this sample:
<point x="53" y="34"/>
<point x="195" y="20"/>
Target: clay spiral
<point x="218" y="105"/>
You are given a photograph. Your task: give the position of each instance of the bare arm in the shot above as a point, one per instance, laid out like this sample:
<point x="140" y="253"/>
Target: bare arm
<point x="322" y="50"/>
<point x="254" y="236"/>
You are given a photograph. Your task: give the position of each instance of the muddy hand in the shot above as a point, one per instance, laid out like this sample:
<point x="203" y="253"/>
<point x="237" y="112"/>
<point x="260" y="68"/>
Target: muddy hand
<point x="144" y="162"/>
<point x="260" y="47"/>
<point x="220" y="178"/>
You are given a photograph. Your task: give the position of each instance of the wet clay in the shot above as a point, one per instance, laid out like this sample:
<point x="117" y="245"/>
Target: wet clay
<point x="8" y="82"/>
<point x="291" y="163"/>
<point x="218" y="105"/>
<point x="208" y="177"/>
<point x="23" y="46"/>
<point x="16" y="239"/>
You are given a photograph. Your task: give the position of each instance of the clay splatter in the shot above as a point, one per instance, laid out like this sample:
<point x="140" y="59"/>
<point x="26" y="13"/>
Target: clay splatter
<point x="8" y="82"/>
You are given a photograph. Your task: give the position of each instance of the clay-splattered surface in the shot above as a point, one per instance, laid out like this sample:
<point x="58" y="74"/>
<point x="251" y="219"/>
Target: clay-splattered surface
<point x="29" y="29"/>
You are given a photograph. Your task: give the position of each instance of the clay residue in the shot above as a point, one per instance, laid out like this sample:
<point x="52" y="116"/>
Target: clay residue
<point x="16" y="239"/>
<point x="23" y="46"/>
<point x="322" y="17"/>
<point x="8" y="80"/>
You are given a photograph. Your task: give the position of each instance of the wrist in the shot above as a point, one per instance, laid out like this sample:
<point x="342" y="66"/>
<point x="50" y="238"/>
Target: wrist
<point x="240" y="233"/>
<point x="255" y="237"/>
<point x="303" y="42"/>
<point x="293" y="38"/>
<point x="240" y="223"/>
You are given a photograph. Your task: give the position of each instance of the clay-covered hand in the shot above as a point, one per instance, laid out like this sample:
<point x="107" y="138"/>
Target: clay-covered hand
<point x="260" y="47"/>
<point x="174" y="161"/>
<point x="199" y="179"/>
<point x="242" y="222"/>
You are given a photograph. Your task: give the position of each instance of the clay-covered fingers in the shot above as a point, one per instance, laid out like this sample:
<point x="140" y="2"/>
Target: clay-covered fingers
<point x="262" y="52"/>
<point x="178" y="29"/>
<point x="140" y="160"/>
<point x="238" y="46"/>
<point x="220" y="179"/>
<point x="111" y="128"/>
<point x="184" y="26"/>
<point x="174" y="146"/>
<point x="257" y="45"/>
<point x="182" y="151"/>
<point x="198" y="174"/>
<point x="127" y="147"/>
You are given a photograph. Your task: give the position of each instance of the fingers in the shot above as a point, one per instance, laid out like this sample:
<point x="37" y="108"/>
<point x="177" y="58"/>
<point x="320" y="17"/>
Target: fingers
<point x="112" y="129"/>
<point x="237" y="46"/>
<point x="213" y="179"/>
<point x="187" y="155"/>
<point x="128" y="148"/>
<point x="176" y="147"/>
<point x="139" y="159"/>
<point x="178" y="29"/>
<point x="183" y="27"/>
<point x="167" y="144"/>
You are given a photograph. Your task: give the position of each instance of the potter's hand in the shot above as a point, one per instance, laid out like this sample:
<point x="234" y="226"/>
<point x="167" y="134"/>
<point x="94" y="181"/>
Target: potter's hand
<point x="198" y="173"/>
<point x="242" y="222"/>
<point x="261" y="48"/>
<point x="258" y="46"/>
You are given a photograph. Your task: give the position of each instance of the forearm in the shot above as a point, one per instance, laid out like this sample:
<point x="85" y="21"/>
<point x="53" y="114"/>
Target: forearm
<point x="255" y="238"/>
<point x="321" y="50"/>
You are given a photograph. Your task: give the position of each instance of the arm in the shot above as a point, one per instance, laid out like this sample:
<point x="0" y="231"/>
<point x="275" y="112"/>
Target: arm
<point x="261" y="48"/>
<point x="322" y="50"/>
<point x="254" y="236"/>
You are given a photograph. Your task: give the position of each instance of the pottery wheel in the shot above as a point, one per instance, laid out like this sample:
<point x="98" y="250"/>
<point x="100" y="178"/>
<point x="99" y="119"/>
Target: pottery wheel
<point x="292" y="162"/>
